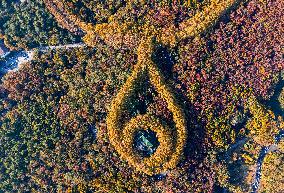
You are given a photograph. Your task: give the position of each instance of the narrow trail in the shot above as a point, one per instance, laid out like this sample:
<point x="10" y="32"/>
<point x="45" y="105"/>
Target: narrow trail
<point x="62" y="46"/>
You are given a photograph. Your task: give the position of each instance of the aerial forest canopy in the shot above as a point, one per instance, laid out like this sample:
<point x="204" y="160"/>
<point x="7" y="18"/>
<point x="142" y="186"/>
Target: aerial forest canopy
<point x="146" y="96"/>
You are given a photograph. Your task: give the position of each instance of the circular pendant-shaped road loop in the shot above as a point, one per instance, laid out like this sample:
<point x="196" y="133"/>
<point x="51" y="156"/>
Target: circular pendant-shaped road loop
<point x="172" y="140"/>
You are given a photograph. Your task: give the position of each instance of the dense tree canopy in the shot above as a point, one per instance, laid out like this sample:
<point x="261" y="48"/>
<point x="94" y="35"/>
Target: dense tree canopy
<point x="55" y="136"/>
<point x="28" y="25"/>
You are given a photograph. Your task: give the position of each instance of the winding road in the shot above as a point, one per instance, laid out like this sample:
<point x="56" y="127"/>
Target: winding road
<point x="264" y="151"/>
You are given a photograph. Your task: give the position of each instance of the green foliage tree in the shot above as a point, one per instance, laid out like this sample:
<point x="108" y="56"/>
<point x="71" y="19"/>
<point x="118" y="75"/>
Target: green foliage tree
<point x="28" y="25"/>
